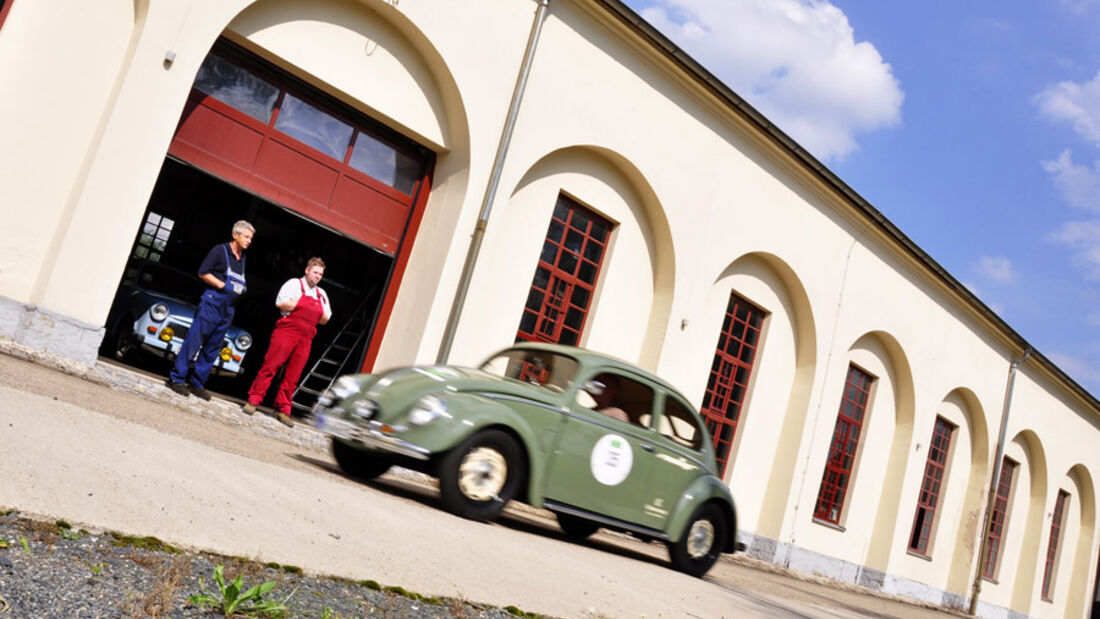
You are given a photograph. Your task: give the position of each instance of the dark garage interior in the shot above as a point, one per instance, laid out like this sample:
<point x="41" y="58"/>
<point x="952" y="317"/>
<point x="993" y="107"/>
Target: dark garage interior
<point x="189" y="212"/>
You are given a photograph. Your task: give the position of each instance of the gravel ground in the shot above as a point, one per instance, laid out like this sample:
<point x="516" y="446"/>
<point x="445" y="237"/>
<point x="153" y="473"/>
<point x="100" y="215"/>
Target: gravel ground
<point x="53" y="570"/>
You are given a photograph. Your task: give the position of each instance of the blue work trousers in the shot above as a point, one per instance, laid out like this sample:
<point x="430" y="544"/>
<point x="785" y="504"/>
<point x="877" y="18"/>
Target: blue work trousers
<point x="205" y="337"/>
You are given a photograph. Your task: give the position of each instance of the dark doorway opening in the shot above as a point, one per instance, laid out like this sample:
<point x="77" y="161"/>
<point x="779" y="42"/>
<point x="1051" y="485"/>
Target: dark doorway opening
<point x="189" y="212"/>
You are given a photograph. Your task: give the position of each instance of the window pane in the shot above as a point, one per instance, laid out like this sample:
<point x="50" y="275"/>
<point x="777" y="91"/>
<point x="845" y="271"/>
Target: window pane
<point x="320" y="130"/>
<point x="542" y="277"/>
<point x="549" y="252"/>
<point x="568" y="263"/>
<point x="236" y="87"/>
<point x="385" y="163"/>
<point x="587" y="273"/>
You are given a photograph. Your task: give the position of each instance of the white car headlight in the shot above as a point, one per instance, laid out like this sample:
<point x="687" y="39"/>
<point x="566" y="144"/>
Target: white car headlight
<point x="244" y="340"/>
<point x="428" y="409"/>
<point x="345" y="386"/>
<point x="365" y="408"/>
<point x="158" y="312"/>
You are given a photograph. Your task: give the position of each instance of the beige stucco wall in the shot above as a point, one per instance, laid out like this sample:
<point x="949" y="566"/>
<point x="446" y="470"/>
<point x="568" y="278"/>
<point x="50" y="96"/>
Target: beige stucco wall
<point x="704" y="205"/>
<point x="60" y="65"/>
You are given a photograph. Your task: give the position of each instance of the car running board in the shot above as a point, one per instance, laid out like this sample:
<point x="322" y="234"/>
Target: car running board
<point x="606" y="521"/>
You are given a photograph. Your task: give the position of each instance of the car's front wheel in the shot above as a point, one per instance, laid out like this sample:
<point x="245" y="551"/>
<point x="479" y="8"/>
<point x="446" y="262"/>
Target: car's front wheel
<point x="704" y="538"/>
<point x="358" y="463"/>
<point x="480" y="476"/>
<point x="123" y="337"/>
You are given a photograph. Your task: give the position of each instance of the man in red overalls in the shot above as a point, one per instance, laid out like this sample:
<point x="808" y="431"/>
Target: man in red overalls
<point x="304" y="305"/>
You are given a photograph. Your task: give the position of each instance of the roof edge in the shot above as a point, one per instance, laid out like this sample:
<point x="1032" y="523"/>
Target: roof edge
<point x="691" y="67"/>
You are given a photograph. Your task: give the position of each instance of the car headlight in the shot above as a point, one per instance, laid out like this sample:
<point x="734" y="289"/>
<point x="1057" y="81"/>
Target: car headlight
<point x="226" y="354"/>
<point x="344" y="387"/>
<point x="158" y="312"/>
<point x="365" y="408"/>
<point x="427" y="409"/>
<point x="166" y="334"/>
<point x="244" y="340"/>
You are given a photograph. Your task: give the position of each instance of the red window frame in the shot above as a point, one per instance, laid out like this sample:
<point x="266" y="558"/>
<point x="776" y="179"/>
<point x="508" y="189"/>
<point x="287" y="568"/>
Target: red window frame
<point x="845" y="444"/>
<point x="934" y="478"/>
<point x="728" y="382"/>
<point x="998" y="519"/>
<point x="1052" y="545"/>
<point x="566" y="275"/>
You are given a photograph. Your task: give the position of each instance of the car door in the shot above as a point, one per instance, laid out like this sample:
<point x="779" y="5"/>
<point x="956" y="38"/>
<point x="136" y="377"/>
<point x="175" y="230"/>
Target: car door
<point x="678" y="455"/>
<point x="603" y="464"/>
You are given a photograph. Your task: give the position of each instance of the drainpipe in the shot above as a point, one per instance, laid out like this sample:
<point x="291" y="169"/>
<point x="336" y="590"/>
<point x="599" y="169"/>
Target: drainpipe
<point x="994" y="482"/>
<point x="494" y="181"/>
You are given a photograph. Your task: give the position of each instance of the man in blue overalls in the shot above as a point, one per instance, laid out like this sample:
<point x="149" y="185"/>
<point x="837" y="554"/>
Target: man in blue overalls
<point x="223" y="272"/>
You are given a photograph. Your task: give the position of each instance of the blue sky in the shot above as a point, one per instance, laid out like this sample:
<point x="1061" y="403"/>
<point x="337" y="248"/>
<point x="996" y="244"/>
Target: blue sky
<point x="973" y="125"/>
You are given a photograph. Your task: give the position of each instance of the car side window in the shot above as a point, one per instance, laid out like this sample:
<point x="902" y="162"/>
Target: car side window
<point x="679" y="425"/>
<point x="619" y="397"/>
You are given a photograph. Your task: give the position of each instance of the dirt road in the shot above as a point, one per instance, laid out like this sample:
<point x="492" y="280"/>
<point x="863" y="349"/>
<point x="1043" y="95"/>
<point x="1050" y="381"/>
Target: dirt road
<point x="207" y="477"/>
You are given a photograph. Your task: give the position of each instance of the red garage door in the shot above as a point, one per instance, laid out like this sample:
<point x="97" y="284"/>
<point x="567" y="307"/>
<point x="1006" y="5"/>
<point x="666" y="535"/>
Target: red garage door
<point x="267" y="132"/>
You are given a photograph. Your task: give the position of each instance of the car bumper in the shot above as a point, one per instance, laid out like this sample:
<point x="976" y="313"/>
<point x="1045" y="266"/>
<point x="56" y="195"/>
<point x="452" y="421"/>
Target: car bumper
<point x="370" y="435"/>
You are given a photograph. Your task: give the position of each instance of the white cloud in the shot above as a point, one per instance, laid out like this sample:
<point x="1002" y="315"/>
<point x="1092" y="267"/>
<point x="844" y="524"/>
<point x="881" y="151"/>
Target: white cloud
<point x="1085" y="372"/>
<point x="996" y="307"/>
<point x="1078" y="185"/>
<point x="1077" y="7"/>
<point x="1076" y="104"/>
<point x="1083" y="236"/>
<point x="797" y="61"/>
<point x="995" y="268"/>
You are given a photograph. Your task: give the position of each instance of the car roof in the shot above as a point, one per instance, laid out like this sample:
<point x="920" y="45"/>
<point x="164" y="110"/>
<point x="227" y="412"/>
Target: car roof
<point x="587" y="357"/>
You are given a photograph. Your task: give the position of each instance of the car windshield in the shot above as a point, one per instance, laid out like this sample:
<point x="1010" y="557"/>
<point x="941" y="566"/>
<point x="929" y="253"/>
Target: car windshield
<point x="546" y="369"/>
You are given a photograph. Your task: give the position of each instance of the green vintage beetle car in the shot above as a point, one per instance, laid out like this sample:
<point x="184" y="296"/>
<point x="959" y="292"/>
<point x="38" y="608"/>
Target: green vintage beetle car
<point x="595" y="440"/>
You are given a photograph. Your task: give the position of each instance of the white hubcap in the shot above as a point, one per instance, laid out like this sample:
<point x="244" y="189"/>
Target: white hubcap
<point x="482" y="473"/>
<point x="700" y="539"/>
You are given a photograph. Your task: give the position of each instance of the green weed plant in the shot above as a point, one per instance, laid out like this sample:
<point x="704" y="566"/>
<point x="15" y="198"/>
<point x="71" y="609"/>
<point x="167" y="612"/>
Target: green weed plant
<point x="232" y="601"/>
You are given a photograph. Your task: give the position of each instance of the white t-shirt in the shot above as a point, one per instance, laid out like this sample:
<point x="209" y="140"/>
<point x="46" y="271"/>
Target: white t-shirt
<point x="292" y="291"/>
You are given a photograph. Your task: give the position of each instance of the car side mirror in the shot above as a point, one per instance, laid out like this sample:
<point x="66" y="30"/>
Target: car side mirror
<point x="593" y="387"/>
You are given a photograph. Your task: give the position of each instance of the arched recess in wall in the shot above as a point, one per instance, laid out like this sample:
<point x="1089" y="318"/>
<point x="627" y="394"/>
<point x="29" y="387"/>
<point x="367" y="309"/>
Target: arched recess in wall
<point x="969" y="518"/>
<point x="1028" y="569"/>
<point x="1082" y="559"/>
<point x="781" y="380"/>
<point x="888" y="497"/>
<point x="629" y="312"/>
<point x="369" y="55"/>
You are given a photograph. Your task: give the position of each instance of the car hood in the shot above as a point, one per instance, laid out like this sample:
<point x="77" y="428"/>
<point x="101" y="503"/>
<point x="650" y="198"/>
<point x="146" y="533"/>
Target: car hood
<point x="396" y="390"/>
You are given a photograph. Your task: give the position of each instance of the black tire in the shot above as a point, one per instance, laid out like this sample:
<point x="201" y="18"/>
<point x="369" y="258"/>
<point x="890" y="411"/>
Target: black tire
<point x="122" y="339"/>
<point x="358" y="463"/>
<point x="480" y="476"/>
<point x="576" y="527"/>
<point x="704" y="537"/>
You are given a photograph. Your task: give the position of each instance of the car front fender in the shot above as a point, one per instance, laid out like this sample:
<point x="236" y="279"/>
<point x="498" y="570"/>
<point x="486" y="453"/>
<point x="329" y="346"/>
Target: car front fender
<point x="701" y="491"/>
<point x="535" y="426"/>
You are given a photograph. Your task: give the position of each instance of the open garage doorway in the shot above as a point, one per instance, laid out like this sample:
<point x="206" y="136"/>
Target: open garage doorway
<point x="189" y="212"/>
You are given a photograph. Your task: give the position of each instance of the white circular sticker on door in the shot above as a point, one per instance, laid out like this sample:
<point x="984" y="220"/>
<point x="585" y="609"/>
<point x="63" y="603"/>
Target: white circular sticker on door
<point x="611" y="460"/>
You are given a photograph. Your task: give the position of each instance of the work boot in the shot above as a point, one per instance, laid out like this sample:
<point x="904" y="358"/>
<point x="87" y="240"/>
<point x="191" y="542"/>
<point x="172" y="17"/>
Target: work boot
<point x="285" y="419"/>
<point x="248" y="408"/>
<point x="200" y="392"/>
<point x="179" y="388"/>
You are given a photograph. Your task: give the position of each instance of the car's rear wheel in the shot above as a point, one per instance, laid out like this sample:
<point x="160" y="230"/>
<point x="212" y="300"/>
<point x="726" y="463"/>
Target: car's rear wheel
<point x="358" y="463"/>
<point x="576" y="527"/>
<point x="704" y="538"/>
<point x="480" y="476"/>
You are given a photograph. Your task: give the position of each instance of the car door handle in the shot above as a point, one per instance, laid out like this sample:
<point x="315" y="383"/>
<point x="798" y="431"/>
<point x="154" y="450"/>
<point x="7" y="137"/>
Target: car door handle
<point x="647" y="447"/>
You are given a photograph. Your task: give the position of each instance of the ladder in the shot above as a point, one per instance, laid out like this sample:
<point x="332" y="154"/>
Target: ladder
<point x="334" y="361"/>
